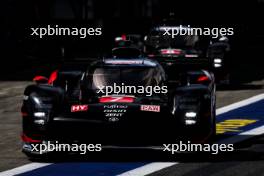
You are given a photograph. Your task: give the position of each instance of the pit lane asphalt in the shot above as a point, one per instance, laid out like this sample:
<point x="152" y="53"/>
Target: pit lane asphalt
<point x="249" y="161"/>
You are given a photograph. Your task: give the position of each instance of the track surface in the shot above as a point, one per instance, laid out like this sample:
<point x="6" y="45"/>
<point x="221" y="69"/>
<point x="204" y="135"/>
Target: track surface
<point x="246" y="161"/>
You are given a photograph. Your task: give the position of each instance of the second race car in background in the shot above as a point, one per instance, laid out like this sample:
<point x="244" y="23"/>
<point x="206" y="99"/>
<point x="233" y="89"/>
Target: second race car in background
<point x="209" y="53"/>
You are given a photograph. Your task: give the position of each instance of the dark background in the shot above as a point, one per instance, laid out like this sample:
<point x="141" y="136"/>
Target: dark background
<point x="22" y="55"/>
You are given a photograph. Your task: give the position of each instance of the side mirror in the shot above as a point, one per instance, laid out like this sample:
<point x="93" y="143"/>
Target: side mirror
<point x="40" y="79"/>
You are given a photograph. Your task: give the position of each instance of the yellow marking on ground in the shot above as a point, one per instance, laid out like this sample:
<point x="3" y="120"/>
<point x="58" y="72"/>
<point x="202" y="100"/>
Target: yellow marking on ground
<point x="232" y="125"/>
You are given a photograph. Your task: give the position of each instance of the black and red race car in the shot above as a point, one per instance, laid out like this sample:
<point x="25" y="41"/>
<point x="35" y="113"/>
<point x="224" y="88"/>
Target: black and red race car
<point x="210" y="53"/>
<point x="74" y="104"/>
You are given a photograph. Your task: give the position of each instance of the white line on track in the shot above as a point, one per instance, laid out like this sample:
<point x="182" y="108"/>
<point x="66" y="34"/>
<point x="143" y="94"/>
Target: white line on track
<point x="239" y="104"/>
<point x="22" y="169"/>
<point x="243" y="136"/>
<point x="148" y="169"/>
<point x="153" y="167"/>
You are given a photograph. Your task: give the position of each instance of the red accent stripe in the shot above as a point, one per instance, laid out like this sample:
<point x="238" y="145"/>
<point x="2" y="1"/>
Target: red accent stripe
<point x="24" y="114"/>
<point x="53" y="77"/>
<point x="116" y="99"/>
<point x="25" y="138"/>
<point x="40" y="78"/>
<point x="202" y="78"/>
<point x="123" y="36"/>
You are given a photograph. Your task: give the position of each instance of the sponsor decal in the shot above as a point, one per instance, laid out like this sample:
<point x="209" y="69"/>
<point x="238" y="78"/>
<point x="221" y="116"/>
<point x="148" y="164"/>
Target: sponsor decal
<point x="113" y="119"/>
<point x="152" y="108"/>
<point x="114" y="110"/>
<point x="79" y="108"/>
<point x="115" y="106"/>
<point x="233" y="125"/>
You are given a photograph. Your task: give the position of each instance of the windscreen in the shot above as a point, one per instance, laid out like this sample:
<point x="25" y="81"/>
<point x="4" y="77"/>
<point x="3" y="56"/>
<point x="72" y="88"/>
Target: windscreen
<point x="122" y="76"/>
<point x="157" y="39"/>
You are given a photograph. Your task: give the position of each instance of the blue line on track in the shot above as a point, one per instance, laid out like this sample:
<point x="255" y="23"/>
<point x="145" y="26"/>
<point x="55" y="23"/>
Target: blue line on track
<point x="83" y="169"/>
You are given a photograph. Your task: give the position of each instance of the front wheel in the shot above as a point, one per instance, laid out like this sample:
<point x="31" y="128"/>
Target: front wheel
<point x="210" y="126"/>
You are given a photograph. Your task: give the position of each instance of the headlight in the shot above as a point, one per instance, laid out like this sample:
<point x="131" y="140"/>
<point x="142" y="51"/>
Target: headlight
<point x="39" y="114"/>
<point x="217" y="60"/>
<point x="217" y="65"/>
<point x="39" y="122"/>
<point x="190" y="118"/>
<point x="190" y="114"/>
<point x="190" y="122"/>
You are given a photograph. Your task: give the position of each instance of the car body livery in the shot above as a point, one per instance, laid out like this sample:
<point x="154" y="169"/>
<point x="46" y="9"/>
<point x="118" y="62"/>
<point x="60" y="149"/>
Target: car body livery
<point x="90" y="104"/>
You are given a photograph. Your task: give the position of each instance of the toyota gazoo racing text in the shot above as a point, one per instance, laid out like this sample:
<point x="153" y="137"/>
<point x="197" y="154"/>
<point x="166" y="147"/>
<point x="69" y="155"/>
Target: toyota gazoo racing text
<point x="71" y="105"/>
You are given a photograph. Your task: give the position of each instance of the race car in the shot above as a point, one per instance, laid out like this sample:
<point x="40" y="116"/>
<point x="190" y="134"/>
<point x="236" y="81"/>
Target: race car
<point x="118" y="102"/>
<point x="203" y="51"/>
